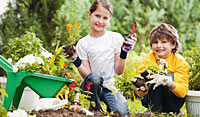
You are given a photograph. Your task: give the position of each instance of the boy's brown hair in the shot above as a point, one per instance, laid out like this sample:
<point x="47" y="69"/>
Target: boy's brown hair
<point x="165" y="31"/>
<point x="105" y="3"/>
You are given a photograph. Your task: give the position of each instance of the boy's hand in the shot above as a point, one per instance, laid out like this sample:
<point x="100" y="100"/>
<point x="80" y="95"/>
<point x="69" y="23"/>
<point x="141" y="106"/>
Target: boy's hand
<point x="70" y="52"/>
<point x="129" y="43"/>
<point x="160" y="80"/>
<point x="141" y="85"/>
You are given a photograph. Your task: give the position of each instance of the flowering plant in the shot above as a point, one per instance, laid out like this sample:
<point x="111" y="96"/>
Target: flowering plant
<point x="34" y="58"/>
<point x="56" y="65"/>
<point x="73" y="90"/>
<point x="29" y="63"/>
<point x="45" y="62"/>
<point x="85" y="96"/>
<point x="73" y="33"/>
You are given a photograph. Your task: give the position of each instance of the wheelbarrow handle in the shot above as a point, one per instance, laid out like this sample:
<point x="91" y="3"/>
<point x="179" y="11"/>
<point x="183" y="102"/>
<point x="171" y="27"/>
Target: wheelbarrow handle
<point x="5" y="64"/>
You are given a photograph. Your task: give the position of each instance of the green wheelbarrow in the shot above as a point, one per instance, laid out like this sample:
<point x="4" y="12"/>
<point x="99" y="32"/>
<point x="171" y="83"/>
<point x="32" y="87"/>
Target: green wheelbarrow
<point x="46" y="86"/>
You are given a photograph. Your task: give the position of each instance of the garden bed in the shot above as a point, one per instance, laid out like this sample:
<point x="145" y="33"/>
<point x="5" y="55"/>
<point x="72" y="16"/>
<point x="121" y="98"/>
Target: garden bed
<point x="70" y="113"/>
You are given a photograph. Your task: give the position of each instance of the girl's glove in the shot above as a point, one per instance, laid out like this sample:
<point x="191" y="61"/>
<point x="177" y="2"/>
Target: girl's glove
<point x="70" y="52"/>
<point x="160" y="80"/>
<point x="129" y="43"/>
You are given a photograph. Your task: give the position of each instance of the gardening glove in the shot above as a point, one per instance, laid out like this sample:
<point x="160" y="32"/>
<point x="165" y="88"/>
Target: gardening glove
<point x="142" y="88"/>
<point x="160" y="80"/>
<point x="111" y="86"/>
<point x="70" y="52"/>
<point x="140" y="84"/>
<point x="129" y="43"/>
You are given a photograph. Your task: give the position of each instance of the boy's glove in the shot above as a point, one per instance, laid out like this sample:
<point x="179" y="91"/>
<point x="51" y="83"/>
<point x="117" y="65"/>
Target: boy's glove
<point x="70" y="53"/>
<point x="160" y="80"/>
<point x="141" y="85"/>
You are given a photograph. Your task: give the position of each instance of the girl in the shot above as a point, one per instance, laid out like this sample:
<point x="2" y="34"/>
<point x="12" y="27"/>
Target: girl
<point x="100" y="55"/>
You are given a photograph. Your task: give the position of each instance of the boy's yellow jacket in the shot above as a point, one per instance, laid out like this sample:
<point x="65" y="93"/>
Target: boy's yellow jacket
<point x="177" y="65"/>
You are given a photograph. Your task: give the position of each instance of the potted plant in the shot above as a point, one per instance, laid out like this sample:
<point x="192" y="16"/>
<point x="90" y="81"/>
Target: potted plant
<point x="193" y="96"/>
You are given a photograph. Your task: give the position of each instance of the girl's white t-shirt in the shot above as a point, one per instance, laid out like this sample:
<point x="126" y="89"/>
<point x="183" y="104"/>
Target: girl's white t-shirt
<point x="100" y="52"/>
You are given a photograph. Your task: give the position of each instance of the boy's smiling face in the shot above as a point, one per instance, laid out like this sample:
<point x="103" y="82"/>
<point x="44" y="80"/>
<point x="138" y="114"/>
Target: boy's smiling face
<point x="162" y="48"/>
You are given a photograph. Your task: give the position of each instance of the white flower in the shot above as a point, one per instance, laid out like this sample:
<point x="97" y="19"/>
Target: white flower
<point x="18" y="113"/>
<point x="112" y="87"/>
<point x="162" y="61"/>
<point x="160" y="67"/>
<point x="46" y="54"/>
<point x="20" y="64"/>
<point x="39" y="60"/>
<point x="29" y="59"/>
<point x="10" y="60"/>
<point x="15" y="69"/>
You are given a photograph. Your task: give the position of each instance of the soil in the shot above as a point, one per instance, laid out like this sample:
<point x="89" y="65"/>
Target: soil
<point x="69" y="50"/>
<point x="71" y="113"/>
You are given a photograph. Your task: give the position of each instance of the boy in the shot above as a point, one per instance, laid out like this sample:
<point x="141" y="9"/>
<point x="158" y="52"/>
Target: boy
<point x="169" y="91"/>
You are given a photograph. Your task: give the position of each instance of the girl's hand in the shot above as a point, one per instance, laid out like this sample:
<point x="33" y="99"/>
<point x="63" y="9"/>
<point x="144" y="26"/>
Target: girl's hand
<point x="129" y="43"/>
<point x="70" y="52"/>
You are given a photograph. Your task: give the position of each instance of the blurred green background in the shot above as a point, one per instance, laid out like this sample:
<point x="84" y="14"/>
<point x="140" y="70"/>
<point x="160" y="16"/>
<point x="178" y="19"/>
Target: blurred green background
<point x="48" y="19"/>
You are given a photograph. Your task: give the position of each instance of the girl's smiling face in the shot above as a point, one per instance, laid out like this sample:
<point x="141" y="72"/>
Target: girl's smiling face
<point x="162" y="48"/>
<point x="99" y="19"/>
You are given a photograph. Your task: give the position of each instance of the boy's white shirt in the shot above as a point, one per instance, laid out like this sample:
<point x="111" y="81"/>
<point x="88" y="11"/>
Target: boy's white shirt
<point x="100" y="52"/>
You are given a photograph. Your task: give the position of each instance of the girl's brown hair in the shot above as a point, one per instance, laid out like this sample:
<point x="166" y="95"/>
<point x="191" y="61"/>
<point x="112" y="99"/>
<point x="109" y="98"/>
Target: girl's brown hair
<point x="165" y="31"/>
<point x="105" y="3"/>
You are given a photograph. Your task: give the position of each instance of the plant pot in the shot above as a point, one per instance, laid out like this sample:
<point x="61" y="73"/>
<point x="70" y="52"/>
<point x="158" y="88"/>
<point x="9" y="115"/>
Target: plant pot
<point x="29" y="97"/>
<point x="193" y="102"/>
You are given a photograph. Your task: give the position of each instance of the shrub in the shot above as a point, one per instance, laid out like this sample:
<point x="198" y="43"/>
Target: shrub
<point x="193" y="58"/>
<point x="21" y="46"/>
